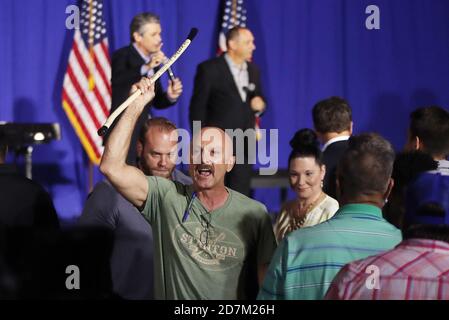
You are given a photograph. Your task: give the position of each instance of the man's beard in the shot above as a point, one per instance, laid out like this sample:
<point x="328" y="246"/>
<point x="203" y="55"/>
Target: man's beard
<point x="148" y="172"/>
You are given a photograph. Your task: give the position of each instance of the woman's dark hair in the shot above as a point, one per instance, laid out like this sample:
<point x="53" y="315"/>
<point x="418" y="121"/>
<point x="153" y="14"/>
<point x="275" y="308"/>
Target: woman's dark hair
<point x="305" y="144"/>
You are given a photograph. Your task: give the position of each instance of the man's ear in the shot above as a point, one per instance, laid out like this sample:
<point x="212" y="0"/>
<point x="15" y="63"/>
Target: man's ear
<point x="230" y="164"/>
<point x="231" y="44"/>
<point x="413" y="143"/>
<point x="418" y="143"/>
<point x="389" y="188"/>
<point x="137" y="37"/>
<point x="351" y="127"/>
<point x="139" y="149"/>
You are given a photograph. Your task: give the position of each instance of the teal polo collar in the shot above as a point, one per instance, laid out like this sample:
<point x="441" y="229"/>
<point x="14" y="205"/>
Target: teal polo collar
<point x="360" y="208"/>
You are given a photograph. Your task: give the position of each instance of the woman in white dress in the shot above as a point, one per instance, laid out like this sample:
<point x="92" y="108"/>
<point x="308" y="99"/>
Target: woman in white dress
<point x="306" y="173"/>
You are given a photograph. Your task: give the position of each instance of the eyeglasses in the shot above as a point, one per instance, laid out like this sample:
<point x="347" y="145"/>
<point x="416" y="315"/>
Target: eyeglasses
<point x="204" y="235"/>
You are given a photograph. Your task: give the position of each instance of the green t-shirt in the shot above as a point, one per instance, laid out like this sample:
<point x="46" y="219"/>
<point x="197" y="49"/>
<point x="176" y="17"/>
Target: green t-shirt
<point x="210" y="255"/>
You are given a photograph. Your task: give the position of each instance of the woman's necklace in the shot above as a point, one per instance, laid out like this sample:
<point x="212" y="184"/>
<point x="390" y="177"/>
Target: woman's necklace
<point x="298" y="220"/>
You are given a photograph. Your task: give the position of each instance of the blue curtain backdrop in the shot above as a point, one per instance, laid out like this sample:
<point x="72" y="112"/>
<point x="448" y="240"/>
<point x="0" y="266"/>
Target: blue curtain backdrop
<point x="307" y="50"/>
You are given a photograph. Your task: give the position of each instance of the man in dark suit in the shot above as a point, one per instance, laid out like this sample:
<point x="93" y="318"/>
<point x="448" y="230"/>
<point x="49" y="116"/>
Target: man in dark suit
<point x="332" y="119"/>
<point x="227" y="94"/>
<point x="141" y="58"/>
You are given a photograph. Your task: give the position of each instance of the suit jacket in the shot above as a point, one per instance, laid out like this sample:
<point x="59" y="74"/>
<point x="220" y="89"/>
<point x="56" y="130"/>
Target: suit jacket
<point x="216" y="100"/>
<point x="331" y="157"/>
<point x="126" y="64"/>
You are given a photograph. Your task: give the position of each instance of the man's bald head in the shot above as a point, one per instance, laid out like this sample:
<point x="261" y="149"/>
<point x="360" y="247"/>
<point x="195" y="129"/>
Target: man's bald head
<point x="216" y="137"/>
<point x="210" y="158"/>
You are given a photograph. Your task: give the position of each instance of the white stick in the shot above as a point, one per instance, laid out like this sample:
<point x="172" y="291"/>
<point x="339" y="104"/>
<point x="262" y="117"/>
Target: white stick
<point x="102" y="131"/>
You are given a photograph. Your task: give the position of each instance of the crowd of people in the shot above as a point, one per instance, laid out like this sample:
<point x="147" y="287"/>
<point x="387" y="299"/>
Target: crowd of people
<point x="365" y="222"/>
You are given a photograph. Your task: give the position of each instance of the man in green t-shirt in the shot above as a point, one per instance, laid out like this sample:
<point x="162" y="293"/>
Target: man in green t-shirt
<point x="210" y="242"/>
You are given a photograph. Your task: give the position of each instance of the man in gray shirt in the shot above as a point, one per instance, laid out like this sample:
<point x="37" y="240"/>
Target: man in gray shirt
<point x="132" y="255"/>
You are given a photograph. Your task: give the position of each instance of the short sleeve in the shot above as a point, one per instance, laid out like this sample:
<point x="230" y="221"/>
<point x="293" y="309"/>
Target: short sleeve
<point x="157" y="189"/>
<point x="101" y="207"/>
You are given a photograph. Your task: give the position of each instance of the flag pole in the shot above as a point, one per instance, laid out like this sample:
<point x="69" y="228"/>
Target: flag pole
<point x="86" y="92"/>
<point x="90" y="176"/>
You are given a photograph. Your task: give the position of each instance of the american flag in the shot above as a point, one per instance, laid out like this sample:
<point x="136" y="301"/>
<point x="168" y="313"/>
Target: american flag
<point x="234" y="14"/>
<point x="86" y="92"/>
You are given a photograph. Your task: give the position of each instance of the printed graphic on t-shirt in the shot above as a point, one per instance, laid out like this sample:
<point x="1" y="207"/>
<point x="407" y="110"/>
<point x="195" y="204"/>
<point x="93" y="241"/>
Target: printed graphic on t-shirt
<point x="213" y="248"/>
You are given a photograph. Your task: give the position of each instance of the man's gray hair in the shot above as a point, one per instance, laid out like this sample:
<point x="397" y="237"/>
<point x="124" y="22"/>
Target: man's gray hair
<point x="139" y="22"/>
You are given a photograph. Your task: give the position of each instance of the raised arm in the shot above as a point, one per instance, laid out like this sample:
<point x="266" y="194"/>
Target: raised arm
<point x="128" y="180"/>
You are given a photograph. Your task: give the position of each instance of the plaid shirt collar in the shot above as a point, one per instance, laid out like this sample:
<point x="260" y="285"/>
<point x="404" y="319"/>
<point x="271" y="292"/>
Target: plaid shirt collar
<point x="425" y="245"/>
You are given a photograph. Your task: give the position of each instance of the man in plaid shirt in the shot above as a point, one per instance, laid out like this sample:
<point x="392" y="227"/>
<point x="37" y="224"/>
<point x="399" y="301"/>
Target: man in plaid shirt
<point x="418" y="268"/>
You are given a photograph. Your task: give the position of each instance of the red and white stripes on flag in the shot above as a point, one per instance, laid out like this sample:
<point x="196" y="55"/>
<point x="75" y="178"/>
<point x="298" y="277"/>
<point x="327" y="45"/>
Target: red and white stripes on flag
<point x="86" y="92"/>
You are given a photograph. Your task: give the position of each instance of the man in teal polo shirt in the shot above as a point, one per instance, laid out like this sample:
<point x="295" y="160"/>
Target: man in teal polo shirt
<point x="306" y="262"/>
